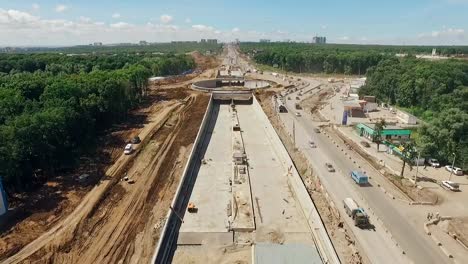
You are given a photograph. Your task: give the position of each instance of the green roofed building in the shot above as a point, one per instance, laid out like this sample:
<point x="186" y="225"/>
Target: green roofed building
<point x="390" y="133"/>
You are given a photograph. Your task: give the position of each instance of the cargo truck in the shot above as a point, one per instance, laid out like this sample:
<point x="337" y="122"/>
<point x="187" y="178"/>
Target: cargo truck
<point x="355" y="212"/>
<point x="359" y="177"/>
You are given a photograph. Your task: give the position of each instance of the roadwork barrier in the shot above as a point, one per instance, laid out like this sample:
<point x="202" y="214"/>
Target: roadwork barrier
<point x="169" y="234"/>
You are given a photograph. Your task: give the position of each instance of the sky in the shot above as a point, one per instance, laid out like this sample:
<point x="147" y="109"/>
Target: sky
<point x="397" y="22"/>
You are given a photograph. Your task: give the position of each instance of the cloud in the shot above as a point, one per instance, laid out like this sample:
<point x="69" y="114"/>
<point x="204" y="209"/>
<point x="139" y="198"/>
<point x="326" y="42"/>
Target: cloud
<point x="35" y="6"/>
<point x="188" y="20"/>
<point x="116" y="15"/>
<point x="120" y="25"/>
<point x="323" y="26"/>
<point x="166" y="19"/>
<point x="235" y="30"/>
<point x="203" y="28"/>
<point x="444" y="36"/>
<point x="61" y="8"/>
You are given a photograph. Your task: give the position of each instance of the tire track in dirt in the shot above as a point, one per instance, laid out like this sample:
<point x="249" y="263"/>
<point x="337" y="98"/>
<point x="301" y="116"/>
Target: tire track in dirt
<point x="115" y="222"/>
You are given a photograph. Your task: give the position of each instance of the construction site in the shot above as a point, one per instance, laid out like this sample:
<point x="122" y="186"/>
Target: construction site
<point x="209" y="182"/>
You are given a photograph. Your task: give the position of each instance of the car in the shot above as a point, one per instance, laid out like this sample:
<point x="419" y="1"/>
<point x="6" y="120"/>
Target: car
<point x="136" y="140"/>
<point x="298" y="114"/>
<point x="312" y="144"/>
<point x="316" y="130"/>
<point x="297" y="98"/>
<point x="454" y="170"/>
<point x="329" y="167"/>
<point x="365" y="144"/>
<point x="128" y="149"/>
<point x="289" y="98"/>
<point x="450" y="185"/>
<point x="434" y="163"/>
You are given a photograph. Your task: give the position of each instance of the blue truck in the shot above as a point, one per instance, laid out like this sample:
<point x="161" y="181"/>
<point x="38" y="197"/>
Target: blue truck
<point x="359" y="177"/>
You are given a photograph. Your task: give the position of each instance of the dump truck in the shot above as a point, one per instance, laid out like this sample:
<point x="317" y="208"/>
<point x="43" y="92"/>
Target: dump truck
<point x="355" y="212"/>
<point x="359" y="177"/>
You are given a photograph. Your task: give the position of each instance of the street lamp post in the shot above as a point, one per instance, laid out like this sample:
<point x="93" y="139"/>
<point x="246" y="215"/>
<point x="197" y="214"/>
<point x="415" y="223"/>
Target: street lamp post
<point x="453" y="164"/>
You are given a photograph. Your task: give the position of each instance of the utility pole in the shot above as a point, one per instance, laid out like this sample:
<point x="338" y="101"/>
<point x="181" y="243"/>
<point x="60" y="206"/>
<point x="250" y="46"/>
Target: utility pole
<point x="294" y="134"/>
<point x="453" y="164"/>
<point x="417" y="167"/>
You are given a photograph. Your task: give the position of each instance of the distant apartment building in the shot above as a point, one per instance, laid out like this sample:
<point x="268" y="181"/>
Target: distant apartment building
<point x="97" y="44"/>
<point x="212" y="41"/>
<point x="143" y="43"/>
<point x="175" y="42"/>
<point x="319" y="40"/>
<point x="203" y="41"/>
<point x="265" y="41"/>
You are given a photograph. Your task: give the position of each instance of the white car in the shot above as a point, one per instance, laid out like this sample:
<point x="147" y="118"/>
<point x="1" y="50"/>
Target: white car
<point x="298" y="114"/>
<point x="454" y="170"/>
<point x="450" y="185"/>
<point x="434" y="163"/>
<point x="128" y="149"/>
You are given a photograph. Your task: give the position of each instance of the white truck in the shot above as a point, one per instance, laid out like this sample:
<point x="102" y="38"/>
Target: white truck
<point x="360" y="217"/>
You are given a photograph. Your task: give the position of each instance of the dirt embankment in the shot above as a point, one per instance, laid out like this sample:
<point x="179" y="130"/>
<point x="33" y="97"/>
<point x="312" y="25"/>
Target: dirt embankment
<point x="343" y="240"/>
<point x="117" y="221"/>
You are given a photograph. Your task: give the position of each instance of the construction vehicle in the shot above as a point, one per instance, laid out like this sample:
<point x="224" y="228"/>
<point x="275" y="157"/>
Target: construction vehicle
<point x="355" y="212"/>
<point x="359" y="177"/>
<point x="192" y="208"/>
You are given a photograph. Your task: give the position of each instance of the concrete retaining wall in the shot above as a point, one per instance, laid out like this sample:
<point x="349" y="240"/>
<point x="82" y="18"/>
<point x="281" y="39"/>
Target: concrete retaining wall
<point x="168" y="239"/>
<point x="320" y="235"/>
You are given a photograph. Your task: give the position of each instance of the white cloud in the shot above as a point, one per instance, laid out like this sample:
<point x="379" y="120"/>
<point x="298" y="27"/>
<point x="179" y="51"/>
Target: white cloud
<point x="323" y="26"/>
<point x="344" y="38"/>
<point x="446" y="36"/>
<point x="120" y="25"/>
<point x="203" y="28"/>
<point x="188" y="20"/>
<point x="116" y="15"/>
<point x="166" y="19"/>
<point x="61" y="8"/>
<point x="235" y="30"/>
<point x="35" y="6"/>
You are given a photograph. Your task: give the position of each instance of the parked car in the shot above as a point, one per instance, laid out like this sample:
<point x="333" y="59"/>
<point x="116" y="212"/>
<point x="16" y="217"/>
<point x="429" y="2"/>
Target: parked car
<point x="450" y="185"/>
<point x="329" y="167"/>
<point x="312" y="144"/>
<point x="454" y="170"/>
<point x="136" y="140"/>
<point x="434" y="163"/>
<point x="316" y="130"/>
<point x="298" y="114"/>
<point x="297" y="98"/>
<point x="365" y="144"/>
<point x="128" y="149"/>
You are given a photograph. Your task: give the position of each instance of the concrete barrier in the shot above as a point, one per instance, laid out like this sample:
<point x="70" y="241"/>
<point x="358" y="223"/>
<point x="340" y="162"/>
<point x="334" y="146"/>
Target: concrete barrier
<point x="164" y="249"/>
<point x="316" y="225"/>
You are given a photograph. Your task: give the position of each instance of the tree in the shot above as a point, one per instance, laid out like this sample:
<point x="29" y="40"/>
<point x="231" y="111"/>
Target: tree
<point x="408" y="154"/>
<point x="378" y="129"/>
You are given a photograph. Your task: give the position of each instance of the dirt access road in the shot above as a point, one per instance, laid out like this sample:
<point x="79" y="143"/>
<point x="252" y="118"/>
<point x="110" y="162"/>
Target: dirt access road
<point x="118" y="222"/>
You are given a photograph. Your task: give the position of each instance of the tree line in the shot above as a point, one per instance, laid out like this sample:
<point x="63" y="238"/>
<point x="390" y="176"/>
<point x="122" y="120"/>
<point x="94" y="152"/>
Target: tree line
<point x="333" y="58"/>
<point x="436" y="92"/>
<point x="52" y="107"/>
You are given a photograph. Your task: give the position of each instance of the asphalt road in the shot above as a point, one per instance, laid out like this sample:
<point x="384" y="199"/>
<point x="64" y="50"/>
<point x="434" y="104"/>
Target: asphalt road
<point x="377" y="244"/>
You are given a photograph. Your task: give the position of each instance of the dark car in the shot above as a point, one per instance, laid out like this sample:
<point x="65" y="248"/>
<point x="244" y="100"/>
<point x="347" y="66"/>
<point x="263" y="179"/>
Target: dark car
<point x="136" y="140"/>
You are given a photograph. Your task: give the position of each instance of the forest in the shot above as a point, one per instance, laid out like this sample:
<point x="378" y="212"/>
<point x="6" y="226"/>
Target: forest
<point x="332" y="58"/>
<point x="436" y="92"/>
<point x="53" y="106"/>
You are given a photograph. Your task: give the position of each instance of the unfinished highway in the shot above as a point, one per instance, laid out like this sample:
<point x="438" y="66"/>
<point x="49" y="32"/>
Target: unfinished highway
<point x="241" y="199"/>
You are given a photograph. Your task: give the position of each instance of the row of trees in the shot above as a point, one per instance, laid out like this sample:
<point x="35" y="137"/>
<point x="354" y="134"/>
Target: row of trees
<point x="315" y="59"/>
<point x="49" y="118"/>
<point x="437" y="92"/>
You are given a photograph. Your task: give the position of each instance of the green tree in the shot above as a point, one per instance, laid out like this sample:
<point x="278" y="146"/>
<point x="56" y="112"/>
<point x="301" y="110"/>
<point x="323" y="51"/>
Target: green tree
<point x="378" y="129"/>
<point x="408" y="154"/>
